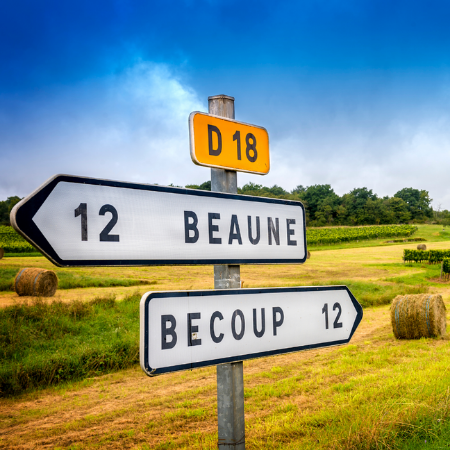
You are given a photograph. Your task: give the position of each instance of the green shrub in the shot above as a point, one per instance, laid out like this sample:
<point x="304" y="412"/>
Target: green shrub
<point x="415" y="255"/>
<point x="436" y="256"/>
<point x="446" y="266"/>
<point x="432" y="256"/>
<point x="43" y="344"/>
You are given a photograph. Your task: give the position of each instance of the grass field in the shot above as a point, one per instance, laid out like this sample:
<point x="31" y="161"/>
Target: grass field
<point x="375" y="393"/>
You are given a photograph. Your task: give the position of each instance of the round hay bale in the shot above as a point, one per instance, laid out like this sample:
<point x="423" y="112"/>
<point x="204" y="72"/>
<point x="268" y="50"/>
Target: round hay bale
<point x="421" y="247"/>
<point x="416" y="316"/>
<point x="2" y="252"/>
<point x="308" y="255"/>
<point x="36" y="282"/>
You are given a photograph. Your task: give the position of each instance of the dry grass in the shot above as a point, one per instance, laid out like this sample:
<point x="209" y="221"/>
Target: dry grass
<point x="292" y="401"/>
<point x="354" y="397"/>
<point x="358" y="264"/>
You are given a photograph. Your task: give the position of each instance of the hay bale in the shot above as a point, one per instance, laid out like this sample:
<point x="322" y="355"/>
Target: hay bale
<point x="421" y="247"/>
<point x="36" y="282"/>
<point x="416" y="316"/>
<point x="308" y="255"/>
<point x="2" y="252"/>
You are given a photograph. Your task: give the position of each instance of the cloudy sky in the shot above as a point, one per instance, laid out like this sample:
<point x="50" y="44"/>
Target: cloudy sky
<point x="353" y="93"/>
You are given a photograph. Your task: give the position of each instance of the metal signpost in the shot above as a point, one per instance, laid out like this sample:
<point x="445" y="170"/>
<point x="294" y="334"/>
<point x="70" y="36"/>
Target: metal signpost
<point x="79" y="221"/>
<point x="230" y="376"/>
<point x="189" y="329"/>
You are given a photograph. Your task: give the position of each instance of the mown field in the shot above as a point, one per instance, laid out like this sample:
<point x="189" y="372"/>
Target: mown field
<point x="375" y="393"/>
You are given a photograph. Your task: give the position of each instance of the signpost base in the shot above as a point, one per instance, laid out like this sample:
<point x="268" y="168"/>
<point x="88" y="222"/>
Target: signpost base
<point x="227" y="277"/>
<point x="230" y="406"/>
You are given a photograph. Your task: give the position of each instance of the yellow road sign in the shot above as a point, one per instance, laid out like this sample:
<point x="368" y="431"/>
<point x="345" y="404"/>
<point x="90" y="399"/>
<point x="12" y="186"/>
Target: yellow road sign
<point x="228" y="144"/>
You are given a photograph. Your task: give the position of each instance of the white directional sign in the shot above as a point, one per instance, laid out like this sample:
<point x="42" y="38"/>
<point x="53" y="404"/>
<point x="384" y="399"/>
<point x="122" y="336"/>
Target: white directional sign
<point x="183" y="330"/>
<point x="77" y="221"/>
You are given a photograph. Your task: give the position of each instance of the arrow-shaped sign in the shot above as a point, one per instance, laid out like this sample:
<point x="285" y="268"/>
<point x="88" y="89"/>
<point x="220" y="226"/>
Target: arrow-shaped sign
<point x="77" y="221"/>
<point x="183" y="330"/>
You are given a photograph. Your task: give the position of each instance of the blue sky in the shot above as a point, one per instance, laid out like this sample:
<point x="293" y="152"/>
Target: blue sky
<point x="353" y="93"/>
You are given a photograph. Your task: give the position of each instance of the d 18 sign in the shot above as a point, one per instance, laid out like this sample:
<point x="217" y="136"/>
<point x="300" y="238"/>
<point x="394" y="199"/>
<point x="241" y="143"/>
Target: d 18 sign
<point x="228" y="144"/>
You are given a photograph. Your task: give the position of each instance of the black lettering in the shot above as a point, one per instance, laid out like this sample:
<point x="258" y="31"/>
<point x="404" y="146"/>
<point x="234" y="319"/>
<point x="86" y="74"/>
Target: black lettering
<point x="290" y="232"/>
<point x="104" y="235"/>
<point x="188" y="227"/>
<point x="237" y="137"/>
<point x="251" y="146"/>
<point x="168" y="331"/>
<point x="212" y="228"/>
<point x="263" y="323"/>
<point x="277" y="323"/>
<point x="325" y="311"/>
<point x="275" y="230"/>
<point x="216" y="315"/>
<point x="193" y="329"/>
<point x="336" y="323"/>
<point x="82" y="210"/>
<point x="212" y="129"/>
<point x="234" y="226"/>
<point x="239" y="313"/>
<point x="250" y="234"/>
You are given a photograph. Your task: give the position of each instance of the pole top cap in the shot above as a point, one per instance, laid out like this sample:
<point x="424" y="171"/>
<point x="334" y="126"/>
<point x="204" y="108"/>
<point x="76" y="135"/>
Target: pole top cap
<point x="216" y="97"/>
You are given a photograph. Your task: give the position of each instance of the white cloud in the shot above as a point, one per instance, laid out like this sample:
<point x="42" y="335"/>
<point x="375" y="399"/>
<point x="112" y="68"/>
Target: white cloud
<point x="385" y="159"/>
<point x="132" y="127"/>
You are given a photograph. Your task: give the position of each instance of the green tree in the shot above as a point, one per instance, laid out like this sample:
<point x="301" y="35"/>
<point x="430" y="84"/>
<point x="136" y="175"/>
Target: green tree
<point x="251" y="189"/>
<point x="318" y="201"/>
<point x="418" y="201"/>
<point x="206" y="186"/>
<point x="355" y="204"/>
<point x="299" y="189"/>
<point x="6" y="207"/>
<point x="263" y="191"/>
<point x="277" y="191"/>
<point x="324" y="213"/>
<point x="398" y="210"/>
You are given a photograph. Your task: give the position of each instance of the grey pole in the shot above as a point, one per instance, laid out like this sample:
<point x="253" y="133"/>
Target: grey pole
<point x="230" y="376"/>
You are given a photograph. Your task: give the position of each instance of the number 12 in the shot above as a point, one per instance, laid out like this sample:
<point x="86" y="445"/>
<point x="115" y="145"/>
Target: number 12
<point x="104" y="235"/>
<point x="336" y="323"/>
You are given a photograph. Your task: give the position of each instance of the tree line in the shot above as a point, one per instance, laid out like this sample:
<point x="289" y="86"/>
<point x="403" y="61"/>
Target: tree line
<point x="324" y="207"/>
<point x="360" y="206"/>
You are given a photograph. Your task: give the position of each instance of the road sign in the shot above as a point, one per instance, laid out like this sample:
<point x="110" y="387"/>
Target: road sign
<point x="228" y="144"/>
<point x="184" y="330"/>
<point x="77" y="221"/>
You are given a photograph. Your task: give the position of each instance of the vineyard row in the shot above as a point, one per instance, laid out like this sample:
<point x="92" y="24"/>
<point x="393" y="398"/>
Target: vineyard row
<point x="432" y="256"/>
<point x="11" y="242"/>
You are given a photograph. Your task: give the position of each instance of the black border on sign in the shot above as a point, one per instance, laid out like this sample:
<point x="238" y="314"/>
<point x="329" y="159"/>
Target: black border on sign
<point x="24" y="211"/>
<point x="146" y="299"/>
